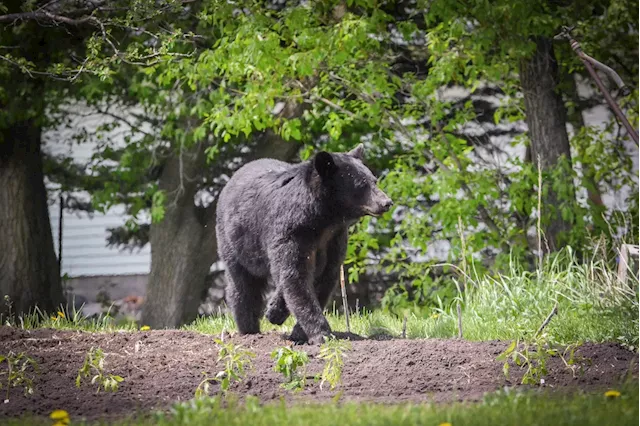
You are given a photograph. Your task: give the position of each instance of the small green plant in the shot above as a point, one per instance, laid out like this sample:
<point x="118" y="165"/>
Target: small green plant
<point x="534" y="353"/>
<point x="9" y="321"/>
<point x="288" y="361"/>
<point x="237" y="361"/>
<point x="17" y="372"/>
<point x="94" y="364"/>
<point x="533" y="356"/>
<point x="204" y="386"/>
<point x="332" y="352"/>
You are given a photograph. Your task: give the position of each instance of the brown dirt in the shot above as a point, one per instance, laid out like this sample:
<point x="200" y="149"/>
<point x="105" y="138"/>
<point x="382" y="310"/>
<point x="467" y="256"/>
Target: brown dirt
<point x="167" y="367"/>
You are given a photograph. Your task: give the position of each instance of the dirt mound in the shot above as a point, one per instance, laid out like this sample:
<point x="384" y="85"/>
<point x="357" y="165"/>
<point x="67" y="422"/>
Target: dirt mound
<point x="161" y="367"/>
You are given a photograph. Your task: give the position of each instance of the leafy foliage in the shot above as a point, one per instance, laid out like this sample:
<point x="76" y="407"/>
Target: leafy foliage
<point x="288" y="361"/>
<point x="237" y="361"/>
<point x="332" y="351"/>
<point x="17" y="372"/>
<point x="533" y="355"/>
<point x="94" y="364"/>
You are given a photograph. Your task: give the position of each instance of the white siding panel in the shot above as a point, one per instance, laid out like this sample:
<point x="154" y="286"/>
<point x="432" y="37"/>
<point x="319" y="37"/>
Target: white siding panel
<point x="84" y="245"/>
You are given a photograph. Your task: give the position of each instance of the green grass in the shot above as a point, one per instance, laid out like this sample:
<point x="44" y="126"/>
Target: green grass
<point x="592" y="306"/>
<point x="502" y="408"/>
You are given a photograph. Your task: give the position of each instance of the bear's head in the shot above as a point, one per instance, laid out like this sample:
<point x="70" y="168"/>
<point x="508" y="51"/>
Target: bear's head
<point x="349" y="185"/>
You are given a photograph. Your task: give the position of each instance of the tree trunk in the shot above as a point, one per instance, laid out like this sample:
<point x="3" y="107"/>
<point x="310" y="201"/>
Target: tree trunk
<point x="183" y="246"/>
<point x="546" y="120"/>
<point x="577" y="121"/>
<point x="29" y="272"/>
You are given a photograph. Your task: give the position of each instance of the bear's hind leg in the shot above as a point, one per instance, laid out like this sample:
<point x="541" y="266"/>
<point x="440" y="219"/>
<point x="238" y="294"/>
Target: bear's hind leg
<point x="244" y="296"/>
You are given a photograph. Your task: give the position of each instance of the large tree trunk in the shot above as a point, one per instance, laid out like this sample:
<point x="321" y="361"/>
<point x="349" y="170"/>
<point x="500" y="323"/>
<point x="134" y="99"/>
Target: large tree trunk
<point x="546" y="120"/>
<point x="29" y="272"/>
<point x="183" y="246"/>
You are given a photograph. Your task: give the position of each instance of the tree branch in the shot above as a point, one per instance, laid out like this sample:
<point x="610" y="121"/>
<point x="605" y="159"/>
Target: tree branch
<point x="45" y="15"/>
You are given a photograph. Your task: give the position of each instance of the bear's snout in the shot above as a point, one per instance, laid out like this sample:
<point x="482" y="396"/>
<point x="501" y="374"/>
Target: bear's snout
<point x="380" y="203"/>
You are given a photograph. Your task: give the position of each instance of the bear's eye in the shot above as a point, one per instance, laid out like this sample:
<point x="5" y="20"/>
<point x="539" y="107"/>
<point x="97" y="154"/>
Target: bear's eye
<point x="360" y="187"/>
<point x="360" y="184"/>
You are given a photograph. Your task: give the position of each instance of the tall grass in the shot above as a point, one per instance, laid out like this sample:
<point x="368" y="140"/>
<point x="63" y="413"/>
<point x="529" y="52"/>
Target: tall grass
<point x="592" y="306"/>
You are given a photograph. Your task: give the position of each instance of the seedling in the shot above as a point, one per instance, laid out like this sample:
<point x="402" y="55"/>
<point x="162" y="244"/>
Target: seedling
<point x="94" y="364"/>
<point x="332" y="352"/>
<point x="17" y="373"/>
<point x="237" y="361"/>
<point x="9" y="305"/>
<point x="533" y="356"/>
<point x="288" y="361"/>
<point x="534" y="353"/>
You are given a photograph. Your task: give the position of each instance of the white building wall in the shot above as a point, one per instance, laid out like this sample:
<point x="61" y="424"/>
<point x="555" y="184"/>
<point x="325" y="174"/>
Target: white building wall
<point x="84" y="245"/>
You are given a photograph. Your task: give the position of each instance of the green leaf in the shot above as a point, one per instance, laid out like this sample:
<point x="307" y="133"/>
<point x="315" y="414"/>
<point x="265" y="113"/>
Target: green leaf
<point x="504" y="355"/>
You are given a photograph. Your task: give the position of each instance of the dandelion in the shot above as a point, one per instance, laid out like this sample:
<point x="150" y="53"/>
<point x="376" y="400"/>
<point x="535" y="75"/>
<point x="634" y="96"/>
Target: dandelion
<point x="61" y="314"/>
<point x="612" y="394"/>
<point x="145" y="328"/>
<point x="60" y="417"/>
<point x="445" y="424"/>
<point x="435" y="316"/>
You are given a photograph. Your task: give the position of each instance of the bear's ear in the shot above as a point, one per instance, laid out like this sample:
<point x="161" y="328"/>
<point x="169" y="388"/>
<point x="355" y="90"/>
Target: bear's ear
<point x="357" y="152"/>
<point x="324" y="164"/>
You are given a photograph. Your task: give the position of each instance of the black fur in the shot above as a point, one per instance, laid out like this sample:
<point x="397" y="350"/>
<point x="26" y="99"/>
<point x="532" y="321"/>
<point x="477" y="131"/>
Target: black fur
<point x="289" y="224"/>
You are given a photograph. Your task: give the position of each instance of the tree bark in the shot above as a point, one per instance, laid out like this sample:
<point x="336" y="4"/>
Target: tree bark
<point x="29" y="272"/>
<point x="183" y="246"/>
<point x="577" y="120"/>
<point x="546" y="120"/>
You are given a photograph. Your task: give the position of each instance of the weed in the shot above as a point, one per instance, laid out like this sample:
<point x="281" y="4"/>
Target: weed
<point x="17" y="372"/>
<point x="9" y="304"/>
<point x="94" y="362"/>
<point x="332" y="352"/>
<point x="533" y="356"/>
<point x="288" y="361"/>
<point x="237" y="361"/>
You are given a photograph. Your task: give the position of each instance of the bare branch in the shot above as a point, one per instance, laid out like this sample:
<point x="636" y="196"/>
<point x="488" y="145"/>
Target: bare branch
<point x="44" y="15"/>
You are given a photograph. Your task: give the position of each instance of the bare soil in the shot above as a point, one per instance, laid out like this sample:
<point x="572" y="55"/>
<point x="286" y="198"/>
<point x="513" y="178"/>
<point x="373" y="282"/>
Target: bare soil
<point x="162" y="367"/>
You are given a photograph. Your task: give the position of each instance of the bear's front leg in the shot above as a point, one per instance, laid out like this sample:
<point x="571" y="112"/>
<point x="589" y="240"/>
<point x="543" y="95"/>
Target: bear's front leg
<point x="294" y="269"/>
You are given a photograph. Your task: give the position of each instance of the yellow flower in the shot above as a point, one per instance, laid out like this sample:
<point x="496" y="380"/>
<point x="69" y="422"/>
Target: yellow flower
<point x="61" y="314"/>
<point x="60" y="416"/>
<point x="54" y="318"/>
<point x="612" y="394"/>
<point x="434" y="316"/>
<point x="145" y="328"/>
<point x="445" y="424"/>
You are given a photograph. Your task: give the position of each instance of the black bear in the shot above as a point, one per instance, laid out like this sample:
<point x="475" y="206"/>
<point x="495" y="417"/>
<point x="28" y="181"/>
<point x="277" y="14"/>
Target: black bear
<point x="288" y="223"/>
